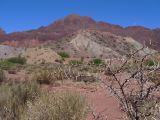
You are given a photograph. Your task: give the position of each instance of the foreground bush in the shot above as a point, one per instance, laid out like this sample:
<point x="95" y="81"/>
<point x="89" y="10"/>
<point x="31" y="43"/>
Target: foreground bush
<point x="59" y="106"/>
<point x="13" y="99"/>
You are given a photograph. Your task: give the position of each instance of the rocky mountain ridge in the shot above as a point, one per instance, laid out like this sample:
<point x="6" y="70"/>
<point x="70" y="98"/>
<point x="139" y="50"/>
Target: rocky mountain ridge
<point x="73" y="23"/>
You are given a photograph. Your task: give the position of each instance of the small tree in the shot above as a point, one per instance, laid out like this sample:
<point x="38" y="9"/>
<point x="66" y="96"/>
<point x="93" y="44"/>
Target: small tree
<point x="135" y="93"/>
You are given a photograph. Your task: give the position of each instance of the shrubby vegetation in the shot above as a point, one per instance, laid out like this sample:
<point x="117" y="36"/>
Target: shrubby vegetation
<point x="10" y="63"/>
<point x="26" y="101"/>
<point x="6" y="65"/>
<point x="17" y="60"/>
<point x="137" y="92"/>
<point x="58" y="106"/>
<point x="14" y="97"/>
<point x="63" y="55"/>
<point x="97" y="61"/>
<point x="150" y="62"/>
<point x="44" y="77"/>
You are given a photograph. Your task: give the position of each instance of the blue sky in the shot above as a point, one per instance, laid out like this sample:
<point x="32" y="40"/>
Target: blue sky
<point x="20" y="15"/>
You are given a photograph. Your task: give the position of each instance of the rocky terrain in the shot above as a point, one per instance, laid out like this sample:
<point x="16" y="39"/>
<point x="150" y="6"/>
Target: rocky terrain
<point x="8" y="51"/>
<point x="73" y="23"/>
<point x="95" y="44"/>
<point x="83" y="43"/>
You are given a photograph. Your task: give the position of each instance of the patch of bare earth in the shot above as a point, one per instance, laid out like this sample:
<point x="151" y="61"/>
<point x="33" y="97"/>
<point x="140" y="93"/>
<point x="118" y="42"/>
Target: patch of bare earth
<point x="100" y="101"/>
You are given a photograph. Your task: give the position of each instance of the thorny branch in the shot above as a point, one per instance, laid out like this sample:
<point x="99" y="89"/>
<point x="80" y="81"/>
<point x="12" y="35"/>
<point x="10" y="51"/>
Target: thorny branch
<point x="133" y="100"/>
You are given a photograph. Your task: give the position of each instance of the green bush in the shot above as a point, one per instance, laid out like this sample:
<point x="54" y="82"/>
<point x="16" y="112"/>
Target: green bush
<point x="150" y="62"/>
<point x="17" y="60"/>
<point x="97" y="61"/>
<point x="63" y="55"/>
<point x="14" y="97"/>
<point x="58" y="106"/>
<point x="6" y="65"/>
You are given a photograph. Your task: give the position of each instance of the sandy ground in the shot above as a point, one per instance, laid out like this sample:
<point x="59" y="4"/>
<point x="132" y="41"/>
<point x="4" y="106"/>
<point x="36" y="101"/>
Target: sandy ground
<point x="40" y="55"/>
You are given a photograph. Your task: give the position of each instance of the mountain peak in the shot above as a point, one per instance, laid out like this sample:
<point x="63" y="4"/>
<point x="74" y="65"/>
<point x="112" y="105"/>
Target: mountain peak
<point x="78" y="17"/>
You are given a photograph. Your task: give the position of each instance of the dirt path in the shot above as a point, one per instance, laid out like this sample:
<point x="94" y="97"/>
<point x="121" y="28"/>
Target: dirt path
<point x="99" y="99"/>
<point x="103" y="103"/>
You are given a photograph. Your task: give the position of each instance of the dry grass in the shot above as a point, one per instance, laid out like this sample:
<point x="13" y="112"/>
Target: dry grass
<point x="59" y="106"/>
<point x="14" y="97"/>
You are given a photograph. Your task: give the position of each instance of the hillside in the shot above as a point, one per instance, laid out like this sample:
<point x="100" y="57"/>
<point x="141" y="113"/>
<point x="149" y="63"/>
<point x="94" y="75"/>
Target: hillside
<point x="73" y="23"/>
<point x="8" y="52"/>
<point x="91" y="43"/>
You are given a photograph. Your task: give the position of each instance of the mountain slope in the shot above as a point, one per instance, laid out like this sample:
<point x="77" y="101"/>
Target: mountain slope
<point x="8" y="52"/>
<point x="73" y="23"/>
<point x="92" y="43"/>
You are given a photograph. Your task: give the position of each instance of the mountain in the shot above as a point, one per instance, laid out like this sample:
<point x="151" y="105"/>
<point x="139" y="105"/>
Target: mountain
<point x="93" y="43"/>
<point x="74" y="23"/>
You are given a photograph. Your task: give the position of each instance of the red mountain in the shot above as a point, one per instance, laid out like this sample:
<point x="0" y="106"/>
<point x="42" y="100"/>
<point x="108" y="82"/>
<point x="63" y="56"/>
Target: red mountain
<point x="73" y="23"/>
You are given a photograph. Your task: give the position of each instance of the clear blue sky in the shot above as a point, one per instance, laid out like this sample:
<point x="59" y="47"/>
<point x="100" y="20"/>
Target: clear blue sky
<point x="19" y="15"/>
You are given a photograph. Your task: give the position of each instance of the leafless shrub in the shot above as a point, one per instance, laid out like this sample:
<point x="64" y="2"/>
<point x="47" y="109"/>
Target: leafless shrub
<point x="62" y="73"/>
<point x="137" y="92"/>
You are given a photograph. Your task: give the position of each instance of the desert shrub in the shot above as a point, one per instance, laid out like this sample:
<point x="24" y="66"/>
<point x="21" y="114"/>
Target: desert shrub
<point x="2" y="76"/>
<point x="6" y="65"/>
<point x="150" y="62"/>
<point x="97" y="61"/>
<point x="86" y="78"/>
<point x="44" y="77"/>
<point x="14" y="98"/>
<point x="52" y="74"/>
<point x="63" y="55"/>
<point x="17" y="60"/>
<point x="75" y="62"/>
<point x="58" y="106"/>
